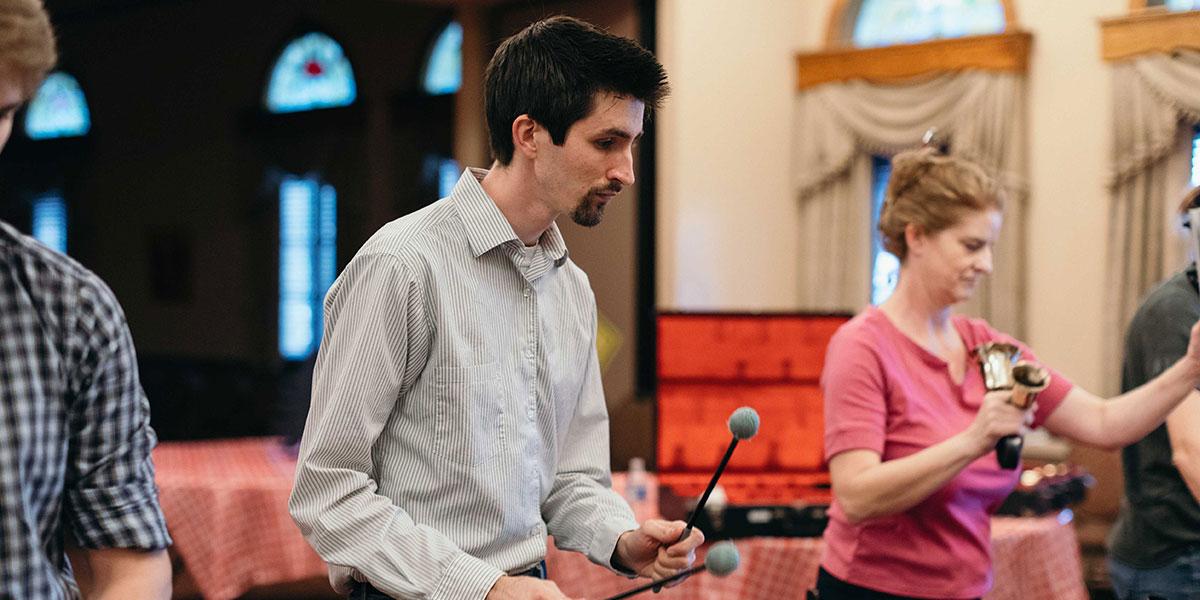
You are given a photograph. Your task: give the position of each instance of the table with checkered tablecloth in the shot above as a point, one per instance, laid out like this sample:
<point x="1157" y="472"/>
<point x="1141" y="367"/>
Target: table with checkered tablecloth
<point x="226" y="508"/>
<point x="1034" y="559"/>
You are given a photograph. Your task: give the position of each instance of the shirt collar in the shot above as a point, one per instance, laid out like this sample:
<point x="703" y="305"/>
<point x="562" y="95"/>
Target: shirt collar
<point x="486" y="226"/>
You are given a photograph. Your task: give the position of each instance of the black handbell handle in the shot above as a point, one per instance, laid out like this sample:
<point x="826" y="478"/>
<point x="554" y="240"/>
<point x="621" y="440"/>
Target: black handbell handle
<point x="1008" y="451"/>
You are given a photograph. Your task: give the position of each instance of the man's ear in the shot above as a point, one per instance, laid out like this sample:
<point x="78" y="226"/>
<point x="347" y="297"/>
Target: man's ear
<point x="523" y="128"/>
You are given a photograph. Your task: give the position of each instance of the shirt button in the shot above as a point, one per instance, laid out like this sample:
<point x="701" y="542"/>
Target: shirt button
<point x="526" y="293"/>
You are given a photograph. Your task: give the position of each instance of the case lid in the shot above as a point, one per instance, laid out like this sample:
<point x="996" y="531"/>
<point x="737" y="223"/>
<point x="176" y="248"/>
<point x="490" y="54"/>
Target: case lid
<point x="709" y="364"/>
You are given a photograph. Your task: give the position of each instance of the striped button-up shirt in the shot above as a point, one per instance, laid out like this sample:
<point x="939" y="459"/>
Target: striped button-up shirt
<point x="457" y="413"/>
<point x="75" y="434"/>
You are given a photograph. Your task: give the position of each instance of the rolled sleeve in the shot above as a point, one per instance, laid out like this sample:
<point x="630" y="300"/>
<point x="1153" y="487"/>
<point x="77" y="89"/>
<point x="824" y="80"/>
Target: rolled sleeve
<point x="111" y="498"/>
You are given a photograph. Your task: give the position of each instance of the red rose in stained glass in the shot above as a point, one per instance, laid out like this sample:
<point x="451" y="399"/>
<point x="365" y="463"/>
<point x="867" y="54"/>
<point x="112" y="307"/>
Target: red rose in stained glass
<point x="313" y="68"/>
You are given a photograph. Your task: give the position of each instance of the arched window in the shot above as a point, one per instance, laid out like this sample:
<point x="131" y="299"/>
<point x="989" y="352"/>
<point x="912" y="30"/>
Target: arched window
<point x="443" y="69"/>
<point x="58" y="109"/>
<point x="887" y="22"/>
<point x="312" y="72"/>
<point x="307" y="261"/>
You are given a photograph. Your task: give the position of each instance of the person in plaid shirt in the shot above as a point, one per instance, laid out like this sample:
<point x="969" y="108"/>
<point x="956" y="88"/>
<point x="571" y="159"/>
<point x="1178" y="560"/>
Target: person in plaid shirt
<point x="75" y="434"/>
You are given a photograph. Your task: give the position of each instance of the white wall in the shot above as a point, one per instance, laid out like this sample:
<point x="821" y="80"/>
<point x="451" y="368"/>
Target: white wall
<point x="727" y="220"/>
<point x="727" y="223"/>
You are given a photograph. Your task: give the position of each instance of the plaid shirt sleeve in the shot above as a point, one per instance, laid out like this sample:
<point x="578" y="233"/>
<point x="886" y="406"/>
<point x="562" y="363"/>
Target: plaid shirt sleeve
<point x="111" y="500"/>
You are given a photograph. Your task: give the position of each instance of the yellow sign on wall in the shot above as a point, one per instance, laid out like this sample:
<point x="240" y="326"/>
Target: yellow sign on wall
<point x="608" y="340"/>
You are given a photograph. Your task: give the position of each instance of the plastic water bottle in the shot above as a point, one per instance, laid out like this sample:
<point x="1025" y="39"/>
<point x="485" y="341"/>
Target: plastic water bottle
<point x="637" y="492"/>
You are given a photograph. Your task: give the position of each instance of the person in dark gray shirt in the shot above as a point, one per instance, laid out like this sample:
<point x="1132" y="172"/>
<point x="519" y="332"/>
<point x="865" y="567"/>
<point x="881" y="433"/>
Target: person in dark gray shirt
<point x="1154" y="548"/>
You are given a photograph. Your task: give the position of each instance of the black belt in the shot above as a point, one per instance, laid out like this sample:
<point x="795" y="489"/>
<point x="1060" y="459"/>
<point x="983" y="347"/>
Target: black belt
<point x="537" y="572"/>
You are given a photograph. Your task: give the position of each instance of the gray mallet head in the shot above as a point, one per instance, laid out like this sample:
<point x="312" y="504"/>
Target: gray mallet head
<point x="723" y="559"/>
<point x="743" y="423"/>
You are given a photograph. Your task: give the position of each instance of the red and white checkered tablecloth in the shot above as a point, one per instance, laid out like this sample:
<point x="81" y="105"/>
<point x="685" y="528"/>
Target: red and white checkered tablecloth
<point x="1034" y="559"/>
<point x="226" y="507"/>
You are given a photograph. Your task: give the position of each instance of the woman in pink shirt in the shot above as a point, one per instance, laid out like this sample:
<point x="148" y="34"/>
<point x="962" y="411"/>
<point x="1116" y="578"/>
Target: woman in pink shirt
<point x="909" y="426"/>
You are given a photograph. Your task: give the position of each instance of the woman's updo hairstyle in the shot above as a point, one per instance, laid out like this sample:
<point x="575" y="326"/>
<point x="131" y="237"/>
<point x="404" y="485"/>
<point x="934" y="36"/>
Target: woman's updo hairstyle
<point x="932" y="191"/>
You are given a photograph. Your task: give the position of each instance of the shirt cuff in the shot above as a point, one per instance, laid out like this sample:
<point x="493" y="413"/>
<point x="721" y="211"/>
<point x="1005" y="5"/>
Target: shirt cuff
<point x="466" y="578"/>
<point x="857" y="438"/>
<point x="137" y="525"/>
<point x="604" y="542"/>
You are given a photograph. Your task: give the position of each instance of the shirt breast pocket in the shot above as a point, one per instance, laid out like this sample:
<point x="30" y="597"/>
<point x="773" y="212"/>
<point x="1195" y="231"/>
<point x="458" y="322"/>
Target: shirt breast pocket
<point x="469" y="413"/>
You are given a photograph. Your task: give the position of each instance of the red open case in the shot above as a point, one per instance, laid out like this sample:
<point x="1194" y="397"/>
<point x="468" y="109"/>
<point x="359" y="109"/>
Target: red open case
<point x="711" y="364"/>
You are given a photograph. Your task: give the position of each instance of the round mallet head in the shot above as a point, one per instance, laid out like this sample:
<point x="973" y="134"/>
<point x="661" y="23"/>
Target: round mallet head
<point x="722" y="560"/>
<point x="743" y="423"/>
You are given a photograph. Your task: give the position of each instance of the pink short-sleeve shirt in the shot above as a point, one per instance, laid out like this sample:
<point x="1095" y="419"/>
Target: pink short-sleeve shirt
<point x="885" y="393"/>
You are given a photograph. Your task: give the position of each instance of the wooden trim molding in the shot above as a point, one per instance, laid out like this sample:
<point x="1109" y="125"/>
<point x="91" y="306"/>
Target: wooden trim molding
<point x="997" y="52"/>
<point x="1149" y="31"/>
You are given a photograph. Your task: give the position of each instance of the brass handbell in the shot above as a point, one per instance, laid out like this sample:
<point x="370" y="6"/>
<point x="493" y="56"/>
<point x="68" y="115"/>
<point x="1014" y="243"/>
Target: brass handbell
<point x="1003" y="370"/>
<point x="997" y="360"/>
<point x="1028" y="380"/>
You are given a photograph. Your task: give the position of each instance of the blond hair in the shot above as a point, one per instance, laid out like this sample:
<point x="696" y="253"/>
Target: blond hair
<point x="933" y="192"/>
<point x="27" y="50"/>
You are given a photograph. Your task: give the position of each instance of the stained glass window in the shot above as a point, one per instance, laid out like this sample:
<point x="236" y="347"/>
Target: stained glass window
<point x="443" y="71"/>
<point x="307" y="261"/>
<point x="58" y="109"/>
<point x="885" y="267"/>
<point x="311" y="73"/>
<point x="887" y="22"/>
<point x="50" y="221"/>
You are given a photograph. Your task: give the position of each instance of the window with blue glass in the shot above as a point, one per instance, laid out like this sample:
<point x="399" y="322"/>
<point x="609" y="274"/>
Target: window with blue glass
<point x="885" y="267"/>
<point x="443" y="70"/>
<point x="307" y="261"/>
<point x="1196" y="157"/>
<point x="1179" y="5"/>
<point x="312" y="73"/>
<point x="887" y="22"/>
<point x="440" y="172"/>
<point x="58" y="109"/>
<point x="50" y="221"/>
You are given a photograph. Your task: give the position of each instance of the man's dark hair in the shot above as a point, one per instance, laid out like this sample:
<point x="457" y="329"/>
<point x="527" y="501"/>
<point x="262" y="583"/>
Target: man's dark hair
<point x="552" y="71"/>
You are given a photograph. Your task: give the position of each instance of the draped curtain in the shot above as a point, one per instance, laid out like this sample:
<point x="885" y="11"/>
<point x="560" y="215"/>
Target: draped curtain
<point x="1156" y="102"/>
<point x="841" y="125"/>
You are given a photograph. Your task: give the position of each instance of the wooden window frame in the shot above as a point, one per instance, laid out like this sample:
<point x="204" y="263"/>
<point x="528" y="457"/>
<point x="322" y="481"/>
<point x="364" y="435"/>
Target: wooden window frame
<point x="1148" y="31"/>
<point x="840" y="61"/>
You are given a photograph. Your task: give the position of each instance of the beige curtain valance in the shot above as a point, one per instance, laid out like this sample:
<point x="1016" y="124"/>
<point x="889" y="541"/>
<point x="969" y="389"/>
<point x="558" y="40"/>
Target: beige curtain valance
<point x="840" y="126"/>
